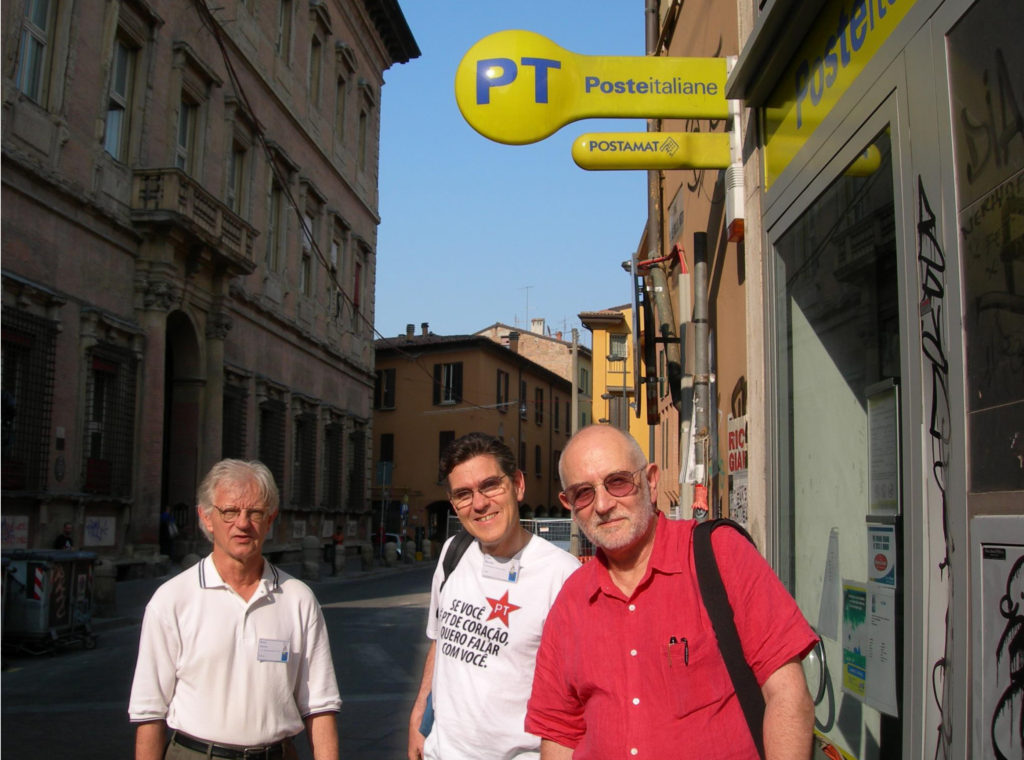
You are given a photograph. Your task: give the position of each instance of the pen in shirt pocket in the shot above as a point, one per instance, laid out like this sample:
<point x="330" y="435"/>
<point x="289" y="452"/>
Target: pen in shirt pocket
<point x="673" y="642"/>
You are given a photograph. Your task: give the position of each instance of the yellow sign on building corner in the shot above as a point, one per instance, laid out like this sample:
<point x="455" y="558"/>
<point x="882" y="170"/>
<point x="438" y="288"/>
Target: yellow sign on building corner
<point x="652" y="150"/>
<point x="518" y="87"/>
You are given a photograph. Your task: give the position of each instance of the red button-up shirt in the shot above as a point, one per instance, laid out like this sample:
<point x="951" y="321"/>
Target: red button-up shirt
<point x="642" y="677"/>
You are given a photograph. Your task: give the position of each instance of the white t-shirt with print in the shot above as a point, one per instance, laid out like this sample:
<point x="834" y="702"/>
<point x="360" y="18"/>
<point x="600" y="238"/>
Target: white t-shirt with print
<point x="487" y="627"/>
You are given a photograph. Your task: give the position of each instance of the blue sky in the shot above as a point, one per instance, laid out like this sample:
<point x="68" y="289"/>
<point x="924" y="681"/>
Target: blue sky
<point x="474" y="232"/>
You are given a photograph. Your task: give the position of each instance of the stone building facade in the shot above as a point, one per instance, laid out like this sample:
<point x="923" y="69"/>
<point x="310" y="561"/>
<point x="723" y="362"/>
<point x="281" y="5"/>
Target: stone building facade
<point x="190" y="214"/>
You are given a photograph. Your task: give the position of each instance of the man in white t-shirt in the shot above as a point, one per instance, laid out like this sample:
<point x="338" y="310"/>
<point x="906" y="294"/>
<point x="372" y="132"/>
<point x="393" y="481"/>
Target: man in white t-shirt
<point x="234" y="659"/>
<point x="485" y="624"/>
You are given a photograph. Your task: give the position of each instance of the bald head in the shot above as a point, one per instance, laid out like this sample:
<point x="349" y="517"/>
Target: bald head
<point x="602" y="438"/>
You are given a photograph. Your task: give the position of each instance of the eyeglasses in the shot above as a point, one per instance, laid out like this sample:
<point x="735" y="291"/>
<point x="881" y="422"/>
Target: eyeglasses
<point x="490" y="488"/>
<point x="622" y="483"/>
<point x="230" y="514"/>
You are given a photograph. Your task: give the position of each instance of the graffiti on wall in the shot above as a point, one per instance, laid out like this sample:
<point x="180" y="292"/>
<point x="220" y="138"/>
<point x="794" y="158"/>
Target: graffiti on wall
<point x="1006" y="727"/>
<point x="932" y="269"/>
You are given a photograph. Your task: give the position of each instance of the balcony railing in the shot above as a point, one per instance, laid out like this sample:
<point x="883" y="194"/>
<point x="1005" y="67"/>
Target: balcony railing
<point x="170" y="196"/>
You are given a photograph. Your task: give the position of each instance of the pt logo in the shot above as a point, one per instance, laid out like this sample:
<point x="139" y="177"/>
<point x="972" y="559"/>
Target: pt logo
<point x="498" y="72"/>
<point x="501" y="608"/>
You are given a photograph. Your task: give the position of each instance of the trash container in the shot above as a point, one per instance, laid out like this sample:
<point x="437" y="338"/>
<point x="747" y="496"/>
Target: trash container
<point x="49" y="599"/>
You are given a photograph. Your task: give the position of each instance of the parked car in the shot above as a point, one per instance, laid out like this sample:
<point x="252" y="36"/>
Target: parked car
<point x="378" y="547"/>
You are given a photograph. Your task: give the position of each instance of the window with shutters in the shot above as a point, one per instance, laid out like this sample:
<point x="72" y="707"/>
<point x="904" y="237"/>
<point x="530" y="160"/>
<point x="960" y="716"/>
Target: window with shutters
<point x="447" y="383"/>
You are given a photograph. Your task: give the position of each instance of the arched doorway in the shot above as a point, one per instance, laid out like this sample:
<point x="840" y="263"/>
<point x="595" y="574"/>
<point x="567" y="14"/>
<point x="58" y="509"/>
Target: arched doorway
<point x="183" y="388"/>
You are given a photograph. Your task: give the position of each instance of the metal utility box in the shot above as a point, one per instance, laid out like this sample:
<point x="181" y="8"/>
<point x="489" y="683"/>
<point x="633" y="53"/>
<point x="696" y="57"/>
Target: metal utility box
<point x="49" y="598"/>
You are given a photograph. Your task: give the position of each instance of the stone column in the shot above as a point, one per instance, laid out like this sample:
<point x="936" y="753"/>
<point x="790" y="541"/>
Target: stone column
<point x="218" y="324"/>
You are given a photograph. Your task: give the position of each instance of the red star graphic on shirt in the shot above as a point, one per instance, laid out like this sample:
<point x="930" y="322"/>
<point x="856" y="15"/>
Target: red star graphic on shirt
<point x="500" y="608"/>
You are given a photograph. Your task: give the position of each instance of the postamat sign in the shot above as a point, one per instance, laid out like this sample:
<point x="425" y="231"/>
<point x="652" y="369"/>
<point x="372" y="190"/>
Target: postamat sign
<point x="518" y="87"/>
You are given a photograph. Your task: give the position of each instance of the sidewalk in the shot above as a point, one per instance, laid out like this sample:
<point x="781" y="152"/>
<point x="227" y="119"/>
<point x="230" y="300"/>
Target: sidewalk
<point x="134" y="595"/>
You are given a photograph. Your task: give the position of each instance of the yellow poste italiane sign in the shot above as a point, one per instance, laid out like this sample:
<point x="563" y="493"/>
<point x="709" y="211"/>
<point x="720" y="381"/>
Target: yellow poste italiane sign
<point x="843" y="39"/>
<point x="652" y="150"/>
<point x="518" y="87"/>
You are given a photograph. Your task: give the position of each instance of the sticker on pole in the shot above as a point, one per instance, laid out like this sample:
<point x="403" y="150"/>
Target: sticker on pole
<point x="518" y="87"/>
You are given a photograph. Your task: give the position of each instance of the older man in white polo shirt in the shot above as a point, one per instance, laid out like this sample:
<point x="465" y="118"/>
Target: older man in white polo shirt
<point x="234" y="659"/>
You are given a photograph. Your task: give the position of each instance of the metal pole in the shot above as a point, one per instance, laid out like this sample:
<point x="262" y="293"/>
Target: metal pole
<point x="701" y="377"/>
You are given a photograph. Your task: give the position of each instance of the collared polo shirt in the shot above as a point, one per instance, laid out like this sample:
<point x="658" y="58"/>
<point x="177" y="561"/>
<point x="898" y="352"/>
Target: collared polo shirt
<point x="620" y="677"/>
<point x="232" y="671"/>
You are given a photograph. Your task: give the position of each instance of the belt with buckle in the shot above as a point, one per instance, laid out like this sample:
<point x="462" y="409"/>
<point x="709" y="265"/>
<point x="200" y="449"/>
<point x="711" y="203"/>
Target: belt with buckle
<point x="266" y="752"/>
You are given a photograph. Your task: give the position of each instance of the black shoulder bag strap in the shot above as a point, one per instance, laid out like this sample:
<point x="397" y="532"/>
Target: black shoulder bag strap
<point x="455" y="551"/>
<point x="716" y="602"/>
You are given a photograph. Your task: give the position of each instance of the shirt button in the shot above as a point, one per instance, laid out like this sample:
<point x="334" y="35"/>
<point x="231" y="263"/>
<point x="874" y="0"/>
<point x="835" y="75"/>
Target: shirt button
<point x="636" y="700"/>
<point x="632" y="608"/>
<point x="634" y="751"/>
<point x="632" y="652"/>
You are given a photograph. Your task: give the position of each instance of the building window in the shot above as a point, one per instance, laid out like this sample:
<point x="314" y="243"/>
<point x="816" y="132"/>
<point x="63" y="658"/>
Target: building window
<point x="364" y="119"/>
<point x="618" y="410"/>
<point x="122" y="73"/>
<point x="184" y="150"/>
<point x="238" y="177"/>
<point x="522" y="399"/>
<point x="444" y="440"/>
<point x="306" y="264"/>
<point x="304" y="460"/>
<point x="357" y="470"/>
<point x="110" y="421"/>
<point x="275" y="225"/>
<point x="501" y="398"/>
<point x="538" y="406"/>
<point x="556" y="413"/>
<point x="29" y="345"/>
<point x="34" y="51"/>
<point x="384" y="389"/>
<point x="272" y="431"/>
<point x="357" y="289"/>
<point x="522" y="456"/>
<point x="616" y="347"/>
<point x="387" y="448"/>
<point x="315" y="67"/>
<point x="537" y="460"/>
<point x="233" y="431"/>
<point x="340" y="109"/>
<point x="333" y="465"/>
<point x="284" y="30"/>
<point x="448" y="383"/>
<point x="584" y="386"/>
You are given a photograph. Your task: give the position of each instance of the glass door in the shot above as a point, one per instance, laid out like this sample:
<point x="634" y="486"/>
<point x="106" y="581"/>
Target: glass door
<point x="837" y="461"/>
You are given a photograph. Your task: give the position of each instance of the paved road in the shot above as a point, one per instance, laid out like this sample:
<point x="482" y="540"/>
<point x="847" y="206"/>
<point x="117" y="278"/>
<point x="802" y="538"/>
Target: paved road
<point x="73" y="704"/>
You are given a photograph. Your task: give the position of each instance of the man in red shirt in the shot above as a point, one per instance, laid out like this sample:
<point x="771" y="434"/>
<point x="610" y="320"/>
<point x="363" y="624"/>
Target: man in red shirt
<point x="629" y="665"/>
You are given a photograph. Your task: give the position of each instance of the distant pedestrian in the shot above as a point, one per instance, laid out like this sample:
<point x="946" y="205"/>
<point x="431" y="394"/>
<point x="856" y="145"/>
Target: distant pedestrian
<point x="168" y="531"/>
<point x="64" y="539"/>
<point x="234" y="657"/>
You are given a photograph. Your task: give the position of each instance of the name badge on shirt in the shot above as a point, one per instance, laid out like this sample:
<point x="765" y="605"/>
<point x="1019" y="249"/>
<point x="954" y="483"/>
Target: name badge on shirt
<point x="501" y="571"/>
<point x="272" y="650"/>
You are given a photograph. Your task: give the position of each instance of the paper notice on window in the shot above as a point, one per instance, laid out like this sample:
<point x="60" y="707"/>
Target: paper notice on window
<point x="828" y="611"/>
<point x="880" y="653"/>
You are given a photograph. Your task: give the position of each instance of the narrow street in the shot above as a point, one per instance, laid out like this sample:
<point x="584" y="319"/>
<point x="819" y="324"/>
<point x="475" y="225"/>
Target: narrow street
<point x="73" y="704"/>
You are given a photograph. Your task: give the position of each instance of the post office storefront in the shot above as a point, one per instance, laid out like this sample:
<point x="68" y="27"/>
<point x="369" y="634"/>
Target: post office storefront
<point x="889" y="149"/>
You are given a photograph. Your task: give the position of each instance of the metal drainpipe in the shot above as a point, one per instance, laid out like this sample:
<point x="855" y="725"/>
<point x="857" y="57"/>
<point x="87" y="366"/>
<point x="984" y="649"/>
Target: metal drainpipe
<point x="701" y="375"/>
